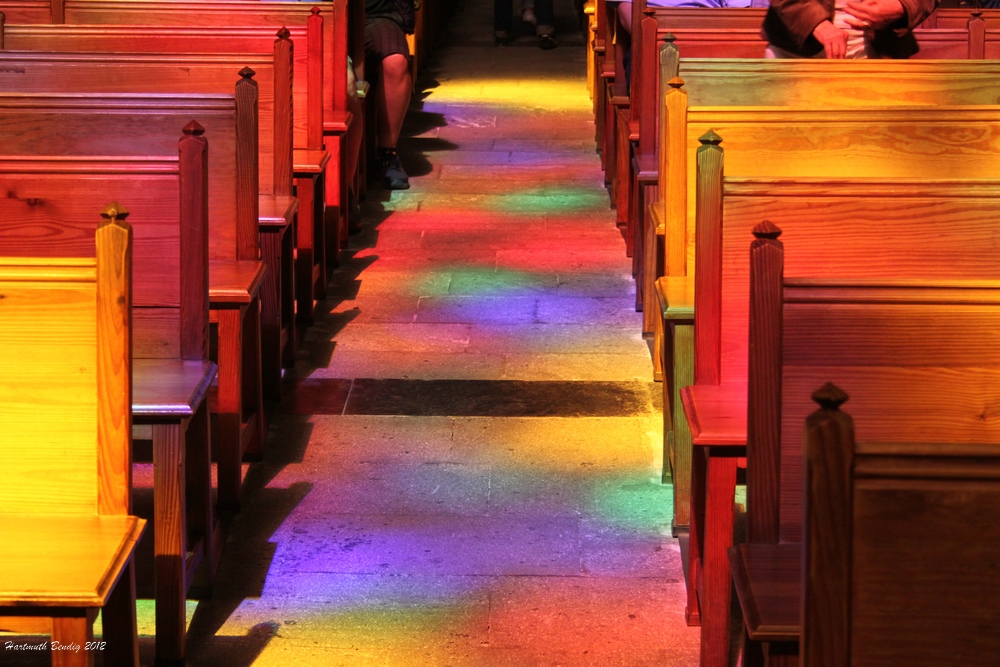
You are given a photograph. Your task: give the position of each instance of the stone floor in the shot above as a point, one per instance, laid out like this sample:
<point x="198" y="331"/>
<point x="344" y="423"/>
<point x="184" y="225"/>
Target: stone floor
<point x="465" y="470"/>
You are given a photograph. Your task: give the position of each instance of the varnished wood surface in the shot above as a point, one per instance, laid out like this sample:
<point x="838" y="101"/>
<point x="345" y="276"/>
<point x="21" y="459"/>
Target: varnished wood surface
<point x="277" y="211"/>
<point x="124" y="125"/>
<point x="40" y="72"/>
<point x="174" y="39"/>
<point x="234" y="282"/>
<point x="830" y="84"/>
<point x="866" y="547"/>
<point x="310" y="161"/>
<point x="169" y="388"/>
<point x="676" y="298"/>
<point x="273" y="14"/>
<point x="48" y="387"/>
<point x="768" y="579"/>
<point x="63" y="560"/>
<point x="716" y="413"/>
<point x="940" y="229"/>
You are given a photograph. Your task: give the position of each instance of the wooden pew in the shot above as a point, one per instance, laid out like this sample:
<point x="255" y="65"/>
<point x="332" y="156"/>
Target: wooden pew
<point x="887" y="338"/>
<point x="65" y="467"/>
<point x="332" y="53"/>
<point x="309" y="164"/>
<point x="261" y="221"/>
<point x="171" y="372"/>
<point x="41" y="123"/>
<point x="900" y="545"/>
<point x="896" y="220"/>
<point x="767" y="83"/>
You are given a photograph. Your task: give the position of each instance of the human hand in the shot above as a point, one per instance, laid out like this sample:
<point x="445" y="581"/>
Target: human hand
<point x="873" y="14"/>
<point x="833" y="39"/>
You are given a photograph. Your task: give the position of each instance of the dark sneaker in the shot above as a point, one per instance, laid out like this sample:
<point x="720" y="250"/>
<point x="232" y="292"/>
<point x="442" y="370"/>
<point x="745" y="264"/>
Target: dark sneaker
<point x="547" y="42"/>
<point x="393" y="175"/>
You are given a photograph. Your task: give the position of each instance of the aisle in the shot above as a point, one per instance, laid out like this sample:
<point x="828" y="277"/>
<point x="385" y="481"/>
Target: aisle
<point x="467" y="470"/>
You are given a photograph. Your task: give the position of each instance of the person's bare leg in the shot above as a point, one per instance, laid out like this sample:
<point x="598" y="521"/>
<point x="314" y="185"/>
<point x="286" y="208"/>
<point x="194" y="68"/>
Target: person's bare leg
<point x="393" y="98"/>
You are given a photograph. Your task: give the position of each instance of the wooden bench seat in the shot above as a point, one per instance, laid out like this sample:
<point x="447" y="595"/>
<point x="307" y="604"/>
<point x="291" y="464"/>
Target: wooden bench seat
<point x="916" y="354"/>
<point x="766" y="141"/>
<point x="876" y="590"/>
<point x="826" y="217"/>
<point x="65" y="467"/>
<point x="236" y="230"/>
<point x="170" y="332"/>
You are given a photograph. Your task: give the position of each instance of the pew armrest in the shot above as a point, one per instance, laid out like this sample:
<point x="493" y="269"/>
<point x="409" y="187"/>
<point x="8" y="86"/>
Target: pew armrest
<point x="676" y="297"/>
<point x="657" y="218"/>
<point x="717" y="413"/>
<point x="338" y="122"/>
<point x="647" y="168"/>
<point x="307" y="161"/>
<point x="63" y="560"/>
<point x="169" y="388"/>
<point x="233" y="282"/>
<point x="768" y="579"/>
<point x="276" y="210"/>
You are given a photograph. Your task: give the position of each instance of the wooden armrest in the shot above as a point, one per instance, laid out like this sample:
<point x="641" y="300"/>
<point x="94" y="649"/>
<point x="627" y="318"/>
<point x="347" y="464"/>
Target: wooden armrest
<point x="363" y="88"/>
<point x="768" y="580"/>
<point x="716" y="413"/>
<point x="309" y="160"/>
<point x="276" y="210"/>
<point x="647" y="168"/>
<point x="233" y="281"/>
<point x="657" y="216"/>
<point x="170" y="388"/>
<point x="620" y="100"/>
<point x="338" y="122"/>
<point x="633" y="130"/>
<point x="676" y="297"/>
<point x="64" y="560"/>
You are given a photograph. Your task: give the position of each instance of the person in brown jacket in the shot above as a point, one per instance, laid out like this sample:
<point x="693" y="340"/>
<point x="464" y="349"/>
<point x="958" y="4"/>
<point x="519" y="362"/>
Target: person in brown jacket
<point x="844" y="28"/>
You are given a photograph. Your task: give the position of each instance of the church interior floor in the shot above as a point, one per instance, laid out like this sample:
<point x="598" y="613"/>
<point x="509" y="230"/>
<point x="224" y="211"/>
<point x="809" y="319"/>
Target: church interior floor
<point x="465" y="469"/>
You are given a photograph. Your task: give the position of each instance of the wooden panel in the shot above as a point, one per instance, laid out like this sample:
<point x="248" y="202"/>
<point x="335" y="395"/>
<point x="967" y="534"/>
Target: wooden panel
<point x="831" y="84"/>
<point x="951" y="615"/>
<point x="177" y="39"/>
<point x="946" y="237"/>
<point x="48" y="398"/>
<point x="126" y="125"/>
<point x="51" y="214"/>
<point x="274" y="14"/>
<point x="923" y="404"/>
<point x="28" y="72"/>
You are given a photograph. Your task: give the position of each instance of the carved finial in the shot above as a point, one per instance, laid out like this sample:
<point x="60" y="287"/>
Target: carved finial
<point x="246" y="72"/>
<point x="766" y="230"/>
<point x="194" y="128"/>
<point x="649" y="11"/>
<point x="710" y="137"/>
<point x="315" y="11"/>
<point x="114" y="211"/>
<point x="284" y="33"/>
<point x="829" y="396"/>
<point x="676" y="82"/>
<point x="669" y="38"/>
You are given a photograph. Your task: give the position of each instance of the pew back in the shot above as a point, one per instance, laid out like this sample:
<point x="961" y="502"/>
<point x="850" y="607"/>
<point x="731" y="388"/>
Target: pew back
<point x="872" y="231"/>
<point x="239" y="13"/>
<point x="901" y="545"/>
<point x="124" y="125"/>
<point x="43" y="219"/>
<point x="37" y="72"/>
<point x="65" y="383"/>
<point x="190" y="40"/>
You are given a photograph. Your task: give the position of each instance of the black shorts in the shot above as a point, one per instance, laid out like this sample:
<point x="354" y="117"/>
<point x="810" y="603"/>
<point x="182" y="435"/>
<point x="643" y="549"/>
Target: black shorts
<point x="383" y="38"/>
